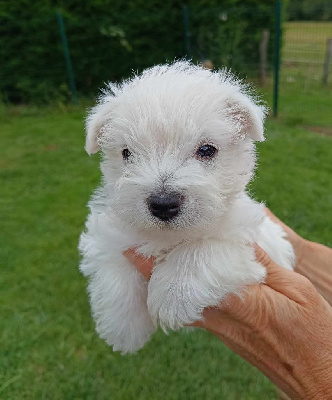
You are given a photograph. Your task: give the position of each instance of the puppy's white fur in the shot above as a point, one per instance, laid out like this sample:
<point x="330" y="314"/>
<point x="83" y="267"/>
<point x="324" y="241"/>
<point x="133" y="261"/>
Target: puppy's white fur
<point x="162" y="117"/>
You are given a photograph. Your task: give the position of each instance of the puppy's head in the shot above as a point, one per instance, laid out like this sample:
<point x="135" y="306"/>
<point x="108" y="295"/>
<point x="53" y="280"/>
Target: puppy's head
<point x="177" y="144"/>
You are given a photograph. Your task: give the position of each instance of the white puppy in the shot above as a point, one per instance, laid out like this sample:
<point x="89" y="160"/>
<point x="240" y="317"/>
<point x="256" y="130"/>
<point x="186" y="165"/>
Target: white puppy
<point x="178" y="151"/>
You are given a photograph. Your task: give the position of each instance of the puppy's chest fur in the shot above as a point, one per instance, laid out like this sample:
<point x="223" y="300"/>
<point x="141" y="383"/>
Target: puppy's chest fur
<point x="194" y="270"/>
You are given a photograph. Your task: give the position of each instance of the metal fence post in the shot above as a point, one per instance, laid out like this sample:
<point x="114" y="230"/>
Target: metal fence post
<point x="187" y="46"/>
<point x="263" y="56"/>
<point x="277" y="57"/>
<point x="67" y="57"/>
<point x="328" y="57"/>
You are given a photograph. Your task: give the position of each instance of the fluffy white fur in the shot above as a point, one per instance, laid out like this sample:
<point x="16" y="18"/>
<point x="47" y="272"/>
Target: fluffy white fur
<point x="163" y="116"/>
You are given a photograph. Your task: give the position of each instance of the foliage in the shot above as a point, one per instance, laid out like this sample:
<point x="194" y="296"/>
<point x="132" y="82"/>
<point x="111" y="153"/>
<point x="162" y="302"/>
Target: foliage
<point x="309" y="10"/>
<point x="230" y="36"/>
<point x="110" y="38"/>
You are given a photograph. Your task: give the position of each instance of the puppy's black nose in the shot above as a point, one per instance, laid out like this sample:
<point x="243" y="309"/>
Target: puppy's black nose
<point x="164" y="206"/>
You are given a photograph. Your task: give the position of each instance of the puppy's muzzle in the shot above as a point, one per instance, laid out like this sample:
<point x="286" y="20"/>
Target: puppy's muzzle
<point x="164" y="206"/>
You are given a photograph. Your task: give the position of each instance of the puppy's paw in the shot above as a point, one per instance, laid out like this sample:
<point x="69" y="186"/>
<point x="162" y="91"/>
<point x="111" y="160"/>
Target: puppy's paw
<point x="173" y="303"/>
<point x="118" y="296"/>
<point x="130" y="337"/>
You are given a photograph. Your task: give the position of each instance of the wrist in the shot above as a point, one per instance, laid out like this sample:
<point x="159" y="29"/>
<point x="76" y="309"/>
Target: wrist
<point x="307" y="384"/>
<point x="319" y="386"/>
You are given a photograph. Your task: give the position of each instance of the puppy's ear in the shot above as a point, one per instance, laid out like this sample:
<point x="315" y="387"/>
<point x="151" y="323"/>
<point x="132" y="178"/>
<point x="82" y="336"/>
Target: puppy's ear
<point x="97" y="118"/>
<point x="247" y="116"/>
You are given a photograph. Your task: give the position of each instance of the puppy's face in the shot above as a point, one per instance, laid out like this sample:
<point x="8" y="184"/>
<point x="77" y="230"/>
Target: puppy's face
<point x="177" y="148"/>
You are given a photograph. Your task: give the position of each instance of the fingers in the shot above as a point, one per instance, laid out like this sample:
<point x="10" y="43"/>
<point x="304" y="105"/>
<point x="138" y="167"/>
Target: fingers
<point x="144" y="265"/>
<point x="298" y="243"/>
<point x="277" y="220"/>
<point x="289" y="283"/>
<point x="256" y="299"/>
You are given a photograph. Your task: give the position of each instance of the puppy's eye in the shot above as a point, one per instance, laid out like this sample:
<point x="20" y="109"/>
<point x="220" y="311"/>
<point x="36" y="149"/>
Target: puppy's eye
<point x="126" y="154"/>
<point x="206" y="151"/>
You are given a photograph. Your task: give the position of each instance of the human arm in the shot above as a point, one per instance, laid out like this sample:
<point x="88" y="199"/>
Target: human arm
<point x="283" y="327"/>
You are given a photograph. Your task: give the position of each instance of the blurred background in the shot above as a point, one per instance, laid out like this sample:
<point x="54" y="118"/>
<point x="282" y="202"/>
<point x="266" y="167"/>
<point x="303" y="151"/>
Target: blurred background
<point x="54" y="58"/>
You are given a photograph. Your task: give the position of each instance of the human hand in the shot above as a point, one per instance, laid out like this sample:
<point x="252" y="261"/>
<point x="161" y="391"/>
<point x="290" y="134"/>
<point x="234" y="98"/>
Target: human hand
<point x="282" y="327"/>
<point x="313" y="260"/>
<point x="299" y="244"/>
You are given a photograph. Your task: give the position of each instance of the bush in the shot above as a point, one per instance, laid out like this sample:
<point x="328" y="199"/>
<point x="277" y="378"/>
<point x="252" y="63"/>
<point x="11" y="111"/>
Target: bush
<point x="110" y="38"/>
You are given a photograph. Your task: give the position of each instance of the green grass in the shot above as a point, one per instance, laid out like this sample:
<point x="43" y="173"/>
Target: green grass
<point x="306" y="41"/>
<point x="303" y="53"/>
<point x="49" y="349"/>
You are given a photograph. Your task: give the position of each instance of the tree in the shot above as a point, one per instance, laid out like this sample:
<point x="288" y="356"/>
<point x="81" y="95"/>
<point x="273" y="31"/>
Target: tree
<point x="110" y="38"/>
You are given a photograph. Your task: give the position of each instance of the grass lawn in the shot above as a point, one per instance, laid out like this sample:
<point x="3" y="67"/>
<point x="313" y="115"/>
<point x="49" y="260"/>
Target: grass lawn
<point x="306" y="41"/>
<point x="303" y="54"/>
<point x="49" y="349"/>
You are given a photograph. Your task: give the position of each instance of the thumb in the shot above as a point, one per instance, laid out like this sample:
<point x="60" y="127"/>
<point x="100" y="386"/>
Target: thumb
<point x="144" y="265"/>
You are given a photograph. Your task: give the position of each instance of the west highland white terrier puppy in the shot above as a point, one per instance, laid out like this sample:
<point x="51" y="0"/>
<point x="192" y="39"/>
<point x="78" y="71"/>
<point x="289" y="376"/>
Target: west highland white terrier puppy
<point x="178" y="151"/>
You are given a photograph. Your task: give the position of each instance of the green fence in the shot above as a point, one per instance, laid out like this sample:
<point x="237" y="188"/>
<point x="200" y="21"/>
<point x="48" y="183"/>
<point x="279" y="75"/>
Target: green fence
<point x="48" y="56"/>
<point x="307" y="53"/>
<point x="38" y="54"/>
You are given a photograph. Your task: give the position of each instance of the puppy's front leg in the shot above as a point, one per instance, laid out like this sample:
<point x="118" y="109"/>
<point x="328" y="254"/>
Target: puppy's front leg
<point x="118" y="294"/>
<point x="199" y="275"/>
